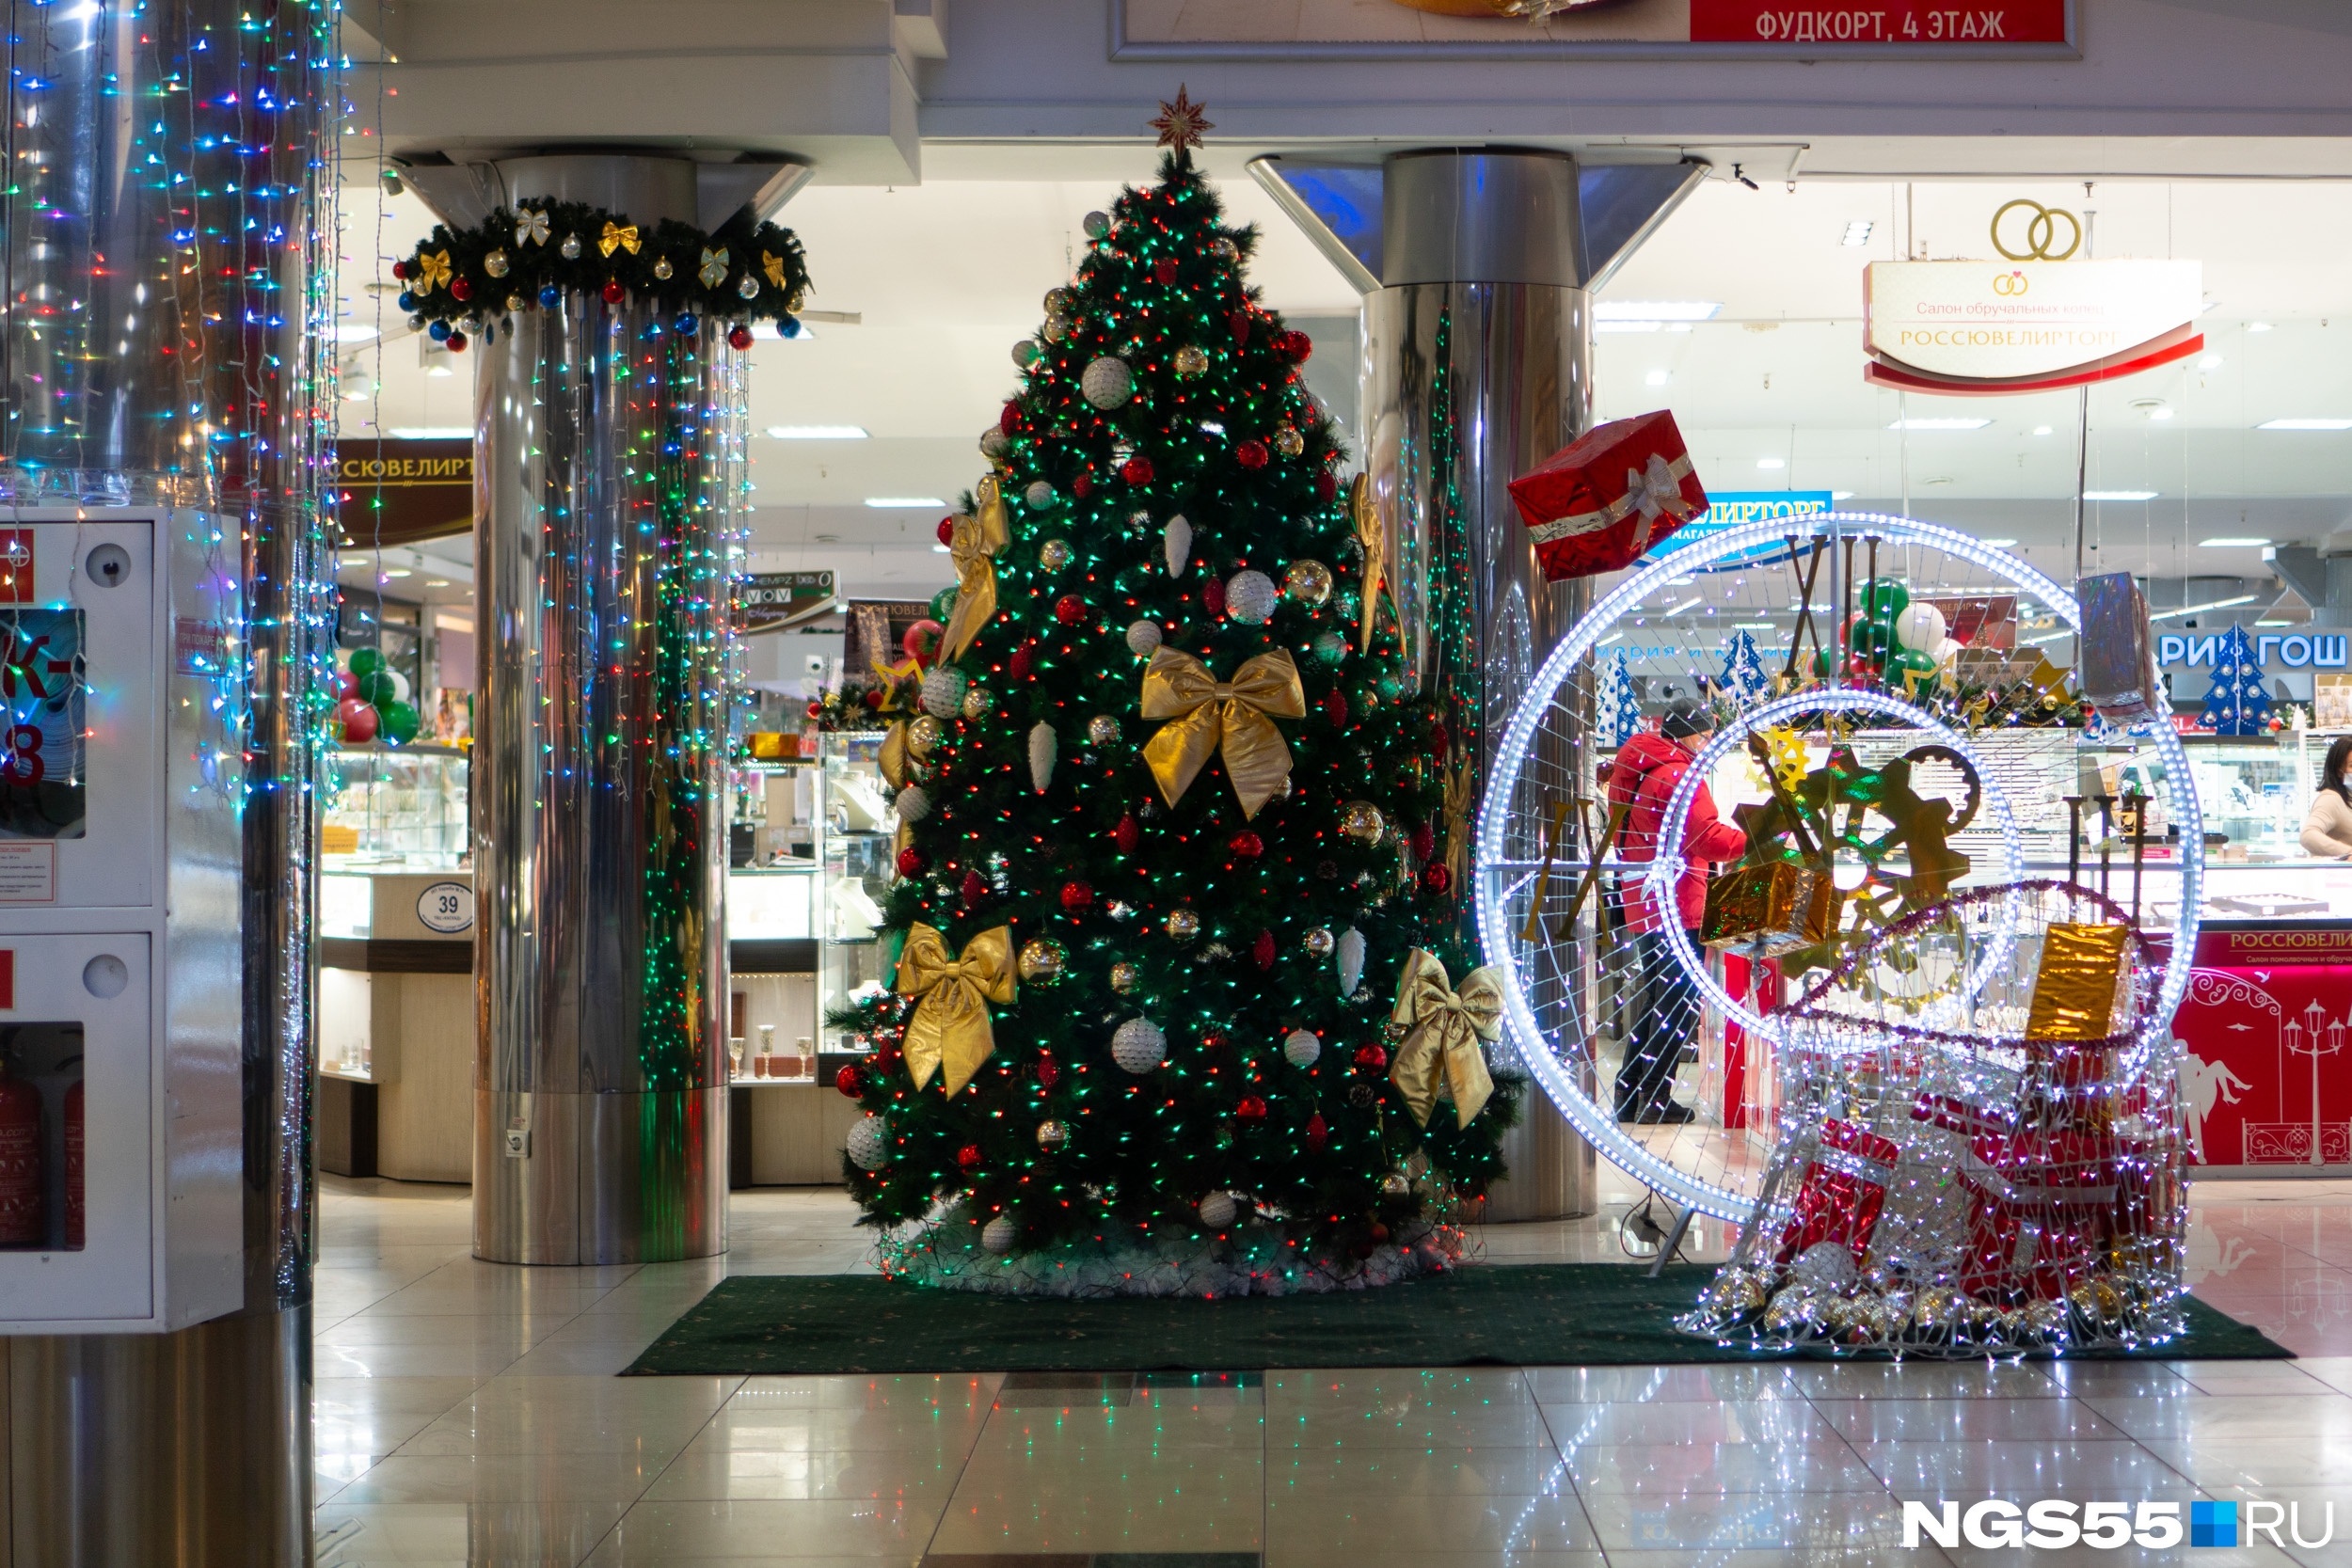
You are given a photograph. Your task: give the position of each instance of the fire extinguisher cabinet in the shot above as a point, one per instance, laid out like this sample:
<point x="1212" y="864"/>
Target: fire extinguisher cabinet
<point x="121" y="773"/>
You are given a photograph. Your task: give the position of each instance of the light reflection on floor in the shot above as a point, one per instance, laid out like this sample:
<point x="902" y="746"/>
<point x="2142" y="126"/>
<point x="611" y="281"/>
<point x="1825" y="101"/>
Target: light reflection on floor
<point x="468" y="1414"/>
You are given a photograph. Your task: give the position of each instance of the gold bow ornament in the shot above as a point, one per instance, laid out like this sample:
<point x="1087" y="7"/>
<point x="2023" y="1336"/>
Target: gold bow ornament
<point x="615" y="236"/>
<point x="531" y="227"/>
<point x="714" y="267"/>
<point x="973" y="543"/>
<point x="772" y="264"/>
<point x="1205" y="715"/>
<point x="950" y="1027"/>
<point x="1373" y="540"/>
<point x="1461" y="798"/>
<point x="432" y="271"/>
<point x="1444" y="1027"/>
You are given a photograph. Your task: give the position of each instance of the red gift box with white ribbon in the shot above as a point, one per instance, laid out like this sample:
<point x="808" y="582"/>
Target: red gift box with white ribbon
<point x="2042" y="1211"/>
<point x="1841" y="1191"/>
<point x="1597" y="503"/>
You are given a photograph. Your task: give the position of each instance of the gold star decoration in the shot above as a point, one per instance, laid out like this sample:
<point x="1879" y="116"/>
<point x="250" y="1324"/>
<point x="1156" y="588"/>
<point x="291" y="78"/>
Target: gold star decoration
<point x="1180" y="123"/>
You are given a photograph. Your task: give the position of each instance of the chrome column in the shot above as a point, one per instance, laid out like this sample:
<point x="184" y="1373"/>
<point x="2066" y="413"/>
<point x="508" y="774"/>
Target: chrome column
<point x="1477" y="267"/>
<point x="599" y="959"/>
<point x="167" y="279"/>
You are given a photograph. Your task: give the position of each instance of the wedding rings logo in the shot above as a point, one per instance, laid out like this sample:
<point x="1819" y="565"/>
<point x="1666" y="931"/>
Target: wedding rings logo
<point x="2041" y="231"/>
<point x="2010" y="284"/>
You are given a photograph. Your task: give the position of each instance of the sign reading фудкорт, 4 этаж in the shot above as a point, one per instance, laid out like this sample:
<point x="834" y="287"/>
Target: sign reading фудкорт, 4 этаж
<point x="1982" y="327"/>
<point x="1761" y="21"/>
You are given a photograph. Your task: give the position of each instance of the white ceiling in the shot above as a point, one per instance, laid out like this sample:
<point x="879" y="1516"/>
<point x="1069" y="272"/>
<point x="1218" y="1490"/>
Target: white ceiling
<point x="945" y="276"/>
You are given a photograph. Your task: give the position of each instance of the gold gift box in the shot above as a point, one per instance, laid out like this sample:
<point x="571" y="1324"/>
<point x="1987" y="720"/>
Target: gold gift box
<point x="2078" y="988"/>
<point x="769" y="745"/>
<point x="1765" y="910"/>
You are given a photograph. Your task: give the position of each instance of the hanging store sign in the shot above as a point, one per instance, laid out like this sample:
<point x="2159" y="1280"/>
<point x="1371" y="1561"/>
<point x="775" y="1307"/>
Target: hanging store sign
<point x="1490" y="29"/>
<point x="397" y="492"/>
<point x="1964" y="328"/>
<point x="770" y="601"/>
<point x="2272" y="650"/>
<point x="1736" y="508"/>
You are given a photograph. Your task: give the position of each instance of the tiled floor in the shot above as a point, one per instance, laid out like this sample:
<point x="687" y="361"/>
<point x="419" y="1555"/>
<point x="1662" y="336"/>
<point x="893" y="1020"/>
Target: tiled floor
<point x="468" y="1414"/>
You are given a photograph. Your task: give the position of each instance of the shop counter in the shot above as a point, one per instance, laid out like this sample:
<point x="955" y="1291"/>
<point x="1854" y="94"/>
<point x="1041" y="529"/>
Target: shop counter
<point x="395" y="1093"/>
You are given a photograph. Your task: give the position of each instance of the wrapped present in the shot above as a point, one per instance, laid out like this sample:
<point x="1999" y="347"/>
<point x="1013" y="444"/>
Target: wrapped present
<point x="2042" y="1211"/>
<point x="1840" y="1193"/>
<point x="1762" y="911"/>
<point x="2080" y="988"/>
<point x="1597" y="503"/>
<point x="766" y="745"/>
<point x="2119" y="674"/>
<point x="1954" y="1115"/>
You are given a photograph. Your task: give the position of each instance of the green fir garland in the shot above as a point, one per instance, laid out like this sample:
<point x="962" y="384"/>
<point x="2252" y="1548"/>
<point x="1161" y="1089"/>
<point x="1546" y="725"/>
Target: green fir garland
<point x="509" y="260"/>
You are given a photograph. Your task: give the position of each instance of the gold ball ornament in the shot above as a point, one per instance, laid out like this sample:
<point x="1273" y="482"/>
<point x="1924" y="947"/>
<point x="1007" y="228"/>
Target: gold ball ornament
<point x="924" y="735"/>
<point x="1320" y="941"/>
<point x="663" y="269"/>
<point x="1289" y="442"/>
<point x="1182" y="925"/>
<point x="1054" y="554"/>
<point x="1051" y="1135"/>
<point x="1308" y="582"/>
<point x="1361" y="821"/>
<point x="1190" y="362"/>
<point x="1102" y="729"/>
<point x="1041" y="961"/>
<point x="1125" y="977"/>
<point x="1394" y="1185"/>
<point x="977" y="701"/>
<point x="494" y="264"/>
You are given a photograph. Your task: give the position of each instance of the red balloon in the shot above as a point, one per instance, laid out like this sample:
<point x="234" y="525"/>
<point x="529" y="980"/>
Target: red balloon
<point x="359" y="720"/>
<point x="346" y="684"/>
<point x="921" y="641"/>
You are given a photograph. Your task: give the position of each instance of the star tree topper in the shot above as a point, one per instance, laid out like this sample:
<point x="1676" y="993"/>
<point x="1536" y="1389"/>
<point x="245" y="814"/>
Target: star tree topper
<point x="1180" y="123"/>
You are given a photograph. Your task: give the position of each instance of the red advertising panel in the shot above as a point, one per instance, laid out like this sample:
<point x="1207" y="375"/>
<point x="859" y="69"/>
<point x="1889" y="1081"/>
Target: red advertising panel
<point x="2265" y="1079"/>
<point x="1764" y="21"/>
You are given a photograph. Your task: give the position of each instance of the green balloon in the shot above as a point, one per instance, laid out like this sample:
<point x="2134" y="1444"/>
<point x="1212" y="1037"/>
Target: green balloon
<point x="943" y="605"/>
<point x="363" y="660"/>
<point x="1821" y="665"/>
<point x="397" y="722"/>
<point x="1884" y="598"/>
<point x="1870" y="638"/>
<point x="376" y="687"/>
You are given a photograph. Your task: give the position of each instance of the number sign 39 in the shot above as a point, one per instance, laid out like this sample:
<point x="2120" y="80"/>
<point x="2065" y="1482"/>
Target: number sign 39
<point x="446" y="908"/>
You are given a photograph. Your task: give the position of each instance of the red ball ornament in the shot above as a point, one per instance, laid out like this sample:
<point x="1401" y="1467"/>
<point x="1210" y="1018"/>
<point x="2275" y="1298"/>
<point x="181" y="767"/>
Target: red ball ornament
<point x="1250" y="1109"/>
<point x="921" y="641"/>
<point x="816" y="710"/>
<point x="1240" y="321"/>
<point x="850" y="1082"/>
<point x="400" y="269"/>
<point x="1425" y="841"/>
<point x="910" y="862"/>
<point x="1247" y="845"/>
<point x="968" y="1156"/>
<point x="1070" y="609"/>
<point x="1437" y="879"/>
<point x="457" y="344"/>
<point x="613" y="292"/>
<point x="358" y="719"/>
<point x="1251" y="453"/>
<point x="873" y="696"/>
<point x="739" y="336"/>
<point x="1370" y="1057"/>
<point x="1127" y="835"/>
<point x="1008" y="419"/>
<point x="946" y="529"/>
<point x="1212" y="597"/>
<point x="1082" y="487"/>
<point x="1335" y="708"/>
<point x="1262" y="950"/>
<point x="1318" y="1135"/>
<point x="1136" y="471"/>
<point x="1294" y="346"/>
<point x="1326" y="486"/>
<point x="1076" y="896"/>
<point x="973" y="890"/>
<point x="1379" y="1231"/>
<point x="461" y="288"/>
<point x="1163" y="270"/>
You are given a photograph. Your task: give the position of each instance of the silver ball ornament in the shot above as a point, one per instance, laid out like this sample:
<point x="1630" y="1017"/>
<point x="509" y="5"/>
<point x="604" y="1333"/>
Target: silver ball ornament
<point x="1038" y="496"/>
<point x="1027" y="353"/>
<point x="1143" y="637"/>
<point x="867" y="1146"/>
<point x="1218" y="1211"/>
<point x="1138" y="1046"/>
<point x="942" y="692"/>
<point x="1106" y="382"/>
<point x="1300" y="1048"/>
<point x="998" y="1235"/>
<point x="1095" y="225"/>
<point x="1251" y="597"/>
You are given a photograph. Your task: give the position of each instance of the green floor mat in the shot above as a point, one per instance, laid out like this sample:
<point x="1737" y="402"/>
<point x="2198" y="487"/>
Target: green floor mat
<point x="1560" y="1314"/>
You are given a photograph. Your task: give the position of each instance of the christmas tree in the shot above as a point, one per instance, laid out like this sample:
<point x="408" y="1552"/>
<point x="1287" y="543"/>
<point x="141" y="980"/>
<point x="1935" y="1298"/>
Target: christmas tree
<point x="1743" y="678"/>
<point x="1176" y="838"/>
<point x="2235" y="703"/>
<point x="1617" y="712"/>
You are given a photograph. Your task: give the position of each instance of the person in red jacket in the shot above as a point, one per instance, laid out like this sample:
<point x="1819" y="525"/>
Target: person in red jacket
<point x="1663" y="1005"/>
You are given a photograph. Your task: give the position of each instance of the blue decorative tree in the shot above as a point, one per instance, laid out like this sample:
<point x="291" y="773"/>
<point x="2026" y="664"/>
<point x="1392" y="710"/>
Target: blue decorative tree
<point x="1744" y="679"/>
<point x="2235" y="703"/>
<point x="1618" y="711"/>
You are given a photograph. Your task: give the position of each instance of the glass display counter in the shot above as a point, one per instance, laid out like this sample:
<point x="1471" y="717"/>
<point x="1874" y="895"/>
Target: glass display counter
<point x="396" y="806"/>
